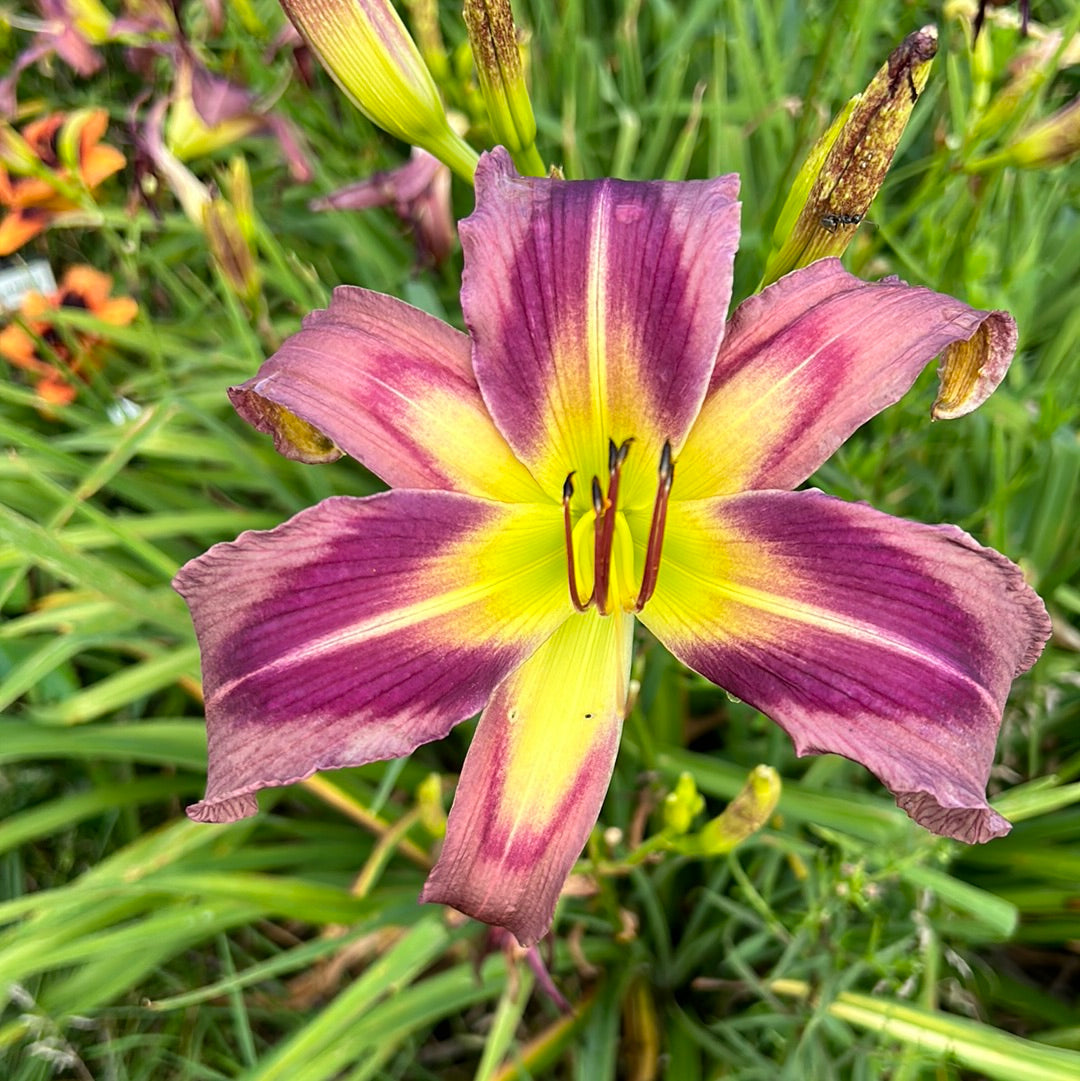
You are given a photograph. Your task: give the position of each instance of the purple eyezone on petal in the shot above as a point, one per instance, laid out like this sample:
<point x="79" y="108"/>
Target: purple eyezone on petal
<point x="393" y="387"/>
<point x="354" y="632"/>
<point x="535" y="778"/>
<point x="809" y="360"/>
<point x="596" y="309"/>
<point x="889" y="642"/>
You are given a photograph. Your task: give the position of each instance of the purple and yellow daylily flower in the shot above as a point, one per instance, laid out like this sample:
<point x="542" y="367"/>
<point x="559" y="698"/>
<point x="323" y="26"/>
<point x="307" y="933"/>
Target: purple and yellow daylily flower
<point x="601" y="447"/>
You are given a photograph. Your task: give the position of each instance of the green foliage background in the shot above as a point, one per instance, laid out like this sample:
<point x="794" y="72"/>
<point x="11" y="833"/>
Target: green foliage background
<point x="842" y="941"/>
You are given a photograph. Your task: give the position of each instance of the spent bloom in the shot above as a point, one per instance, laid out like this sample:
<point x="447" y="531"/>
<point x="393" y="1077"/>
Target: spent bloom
<point x="69" y="356"/>
<point x="602" y="447"/>
<point x="38" y="181"/>
<point x="418" y="192"/>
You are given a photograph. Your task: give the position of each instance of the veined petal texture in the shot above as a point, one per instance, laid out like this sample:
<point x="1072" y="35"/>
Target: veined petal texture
<point x="596" y="310"/>
<point x="393" y="387"/>
<point x="809" y="360"/>
<point x="889" y="642"/>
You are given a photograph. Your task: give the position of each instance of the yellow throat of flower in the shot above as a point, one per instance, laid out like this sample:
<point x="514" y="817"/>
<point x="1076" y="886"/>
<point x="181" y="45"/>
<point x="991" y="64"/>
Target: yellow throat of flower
<point x="600" y="545"/>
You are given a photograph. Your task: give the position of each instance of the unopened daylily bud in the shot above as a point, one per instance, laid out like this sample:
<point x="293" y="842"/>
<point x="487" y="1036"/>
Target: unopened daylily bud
<point x="16" y="154"/>
<point x="1029" y="70"/>
<point x="242" y="197"/>
<point x="430" y="804"/>
<point x="682" y="805"/>
<point x="497" y="57"/>
<point x="366" y="48"/>
<point x="846" y="168"/>
<point x="231" y="249"/>
<point x="1053" y="141"/>
<point x="744" y="815"/>
<point x="81" y="127"/>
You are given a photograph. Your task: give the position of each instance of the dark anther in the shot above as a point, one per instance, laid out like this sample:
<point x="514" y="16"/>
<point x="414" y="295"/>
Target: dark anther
<point x="617" y="455"/>
<point x="597" y="497"/>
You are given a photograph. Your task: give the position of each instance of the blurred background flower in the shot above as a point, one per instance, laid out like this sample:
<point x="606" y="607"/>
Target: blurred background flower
<point x="56" y="357"/>
<point x="48" y="168"/>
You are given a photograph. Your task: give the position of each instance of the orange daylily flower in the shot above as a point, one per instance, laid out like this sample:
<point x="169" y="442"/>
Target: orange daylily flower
<point x="34" y="200"/>
<point x="81" y="287"/>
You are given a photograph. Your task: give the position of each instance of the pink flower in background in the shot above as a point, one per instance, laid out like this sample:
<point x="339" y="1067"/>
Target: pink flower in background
<point x="418" y="192"/>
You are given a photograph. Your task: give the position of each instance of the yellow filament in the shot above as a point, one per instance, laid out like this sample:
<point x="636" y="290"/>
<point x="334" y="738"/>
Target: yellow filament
<point x="583" y="542"/>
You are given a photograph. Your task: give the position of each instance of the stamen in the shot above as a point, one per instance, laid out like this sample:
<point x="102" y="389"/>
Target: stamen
<point x="575" y="596"/>
<point x="666" y="474"/>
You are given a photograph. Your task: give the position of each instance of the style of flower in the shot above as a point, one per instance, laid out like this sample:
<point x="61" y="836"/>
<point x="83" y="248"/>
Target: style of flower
<point x="77" y="352"/>
<point x="34" y="201"/>
<point x="600" y="448"/>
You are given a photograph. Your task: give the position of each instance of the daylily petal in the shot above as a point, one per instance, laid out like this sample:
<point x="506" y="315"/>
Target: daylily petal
<point x="535" y="778"/>
<point x="596" y="309"/>
<point x="889" y="642"/>
<point x="392" y="386"/>
<point x="362" y="628"/>
<point x="22" y="225"/>
<point x="809" y="360"/>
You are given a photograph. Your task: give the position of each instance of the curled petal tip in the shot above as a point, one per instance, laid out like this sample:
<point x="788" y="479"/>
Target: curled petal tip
<point x="971" y="370"/>
<point x="293" y="436"/>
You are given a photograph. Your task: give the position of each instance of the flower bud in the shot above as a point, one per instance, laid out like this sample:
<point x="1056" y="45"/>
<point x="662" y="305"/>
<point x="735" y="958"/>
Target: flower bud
<point x="429" y="803"/>
<point x="493" y="38"/>
<point x="366" y="48"/>
<point x="846" y="168"/>
<point x="1053" y="141"/>
<point x="682" y="805"/>
<point x="231" y="250"/>
<point x="744" y="815"/>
